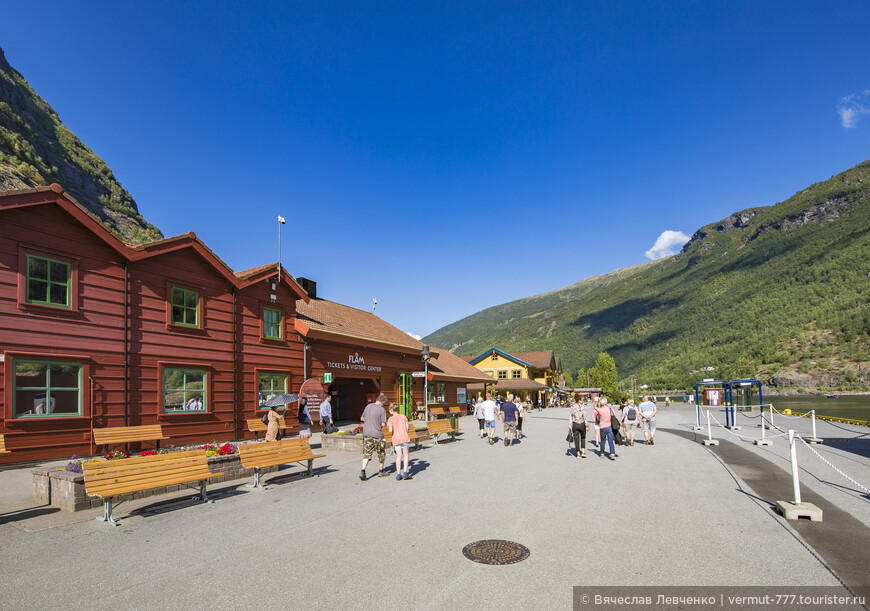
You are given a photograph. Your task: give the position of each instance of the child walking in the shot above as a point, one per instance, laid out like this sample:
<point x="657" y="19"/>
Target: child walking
<point x="398" y="425"/>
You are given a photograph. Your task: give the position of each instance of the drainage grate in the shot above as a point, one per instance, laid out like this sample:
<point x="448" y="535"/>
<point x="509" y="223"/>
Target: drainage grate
<point x="495" y="551"/>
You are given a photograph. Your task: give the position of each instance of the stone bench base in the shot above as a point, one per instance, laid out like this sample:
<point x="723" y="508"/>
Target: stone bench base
<point x="66" y="490"/>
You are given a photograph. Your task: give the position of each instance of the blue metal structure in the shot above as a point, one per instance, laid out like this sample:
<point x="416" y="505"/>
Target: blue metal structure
<point x="730" y="407"/>
<point x="697" y="397"/>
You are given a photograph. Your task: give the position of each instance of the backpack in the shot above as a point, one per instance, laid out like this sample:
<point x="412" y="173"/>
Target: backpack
<point x="632" y="413"/>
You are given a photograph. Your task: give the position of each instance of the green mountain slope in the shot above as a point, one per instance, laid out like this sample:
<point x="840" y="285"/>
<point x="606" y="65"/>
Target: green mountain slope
<point x="781" y="292"/>
<point x="37" y="149"/>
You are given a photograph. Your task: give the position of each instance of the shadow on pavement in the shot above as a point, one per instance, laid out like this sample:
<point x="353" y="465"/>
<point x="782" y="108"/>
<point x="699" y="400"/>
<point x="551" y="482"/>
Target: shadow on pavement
<point x="27" y="514"/>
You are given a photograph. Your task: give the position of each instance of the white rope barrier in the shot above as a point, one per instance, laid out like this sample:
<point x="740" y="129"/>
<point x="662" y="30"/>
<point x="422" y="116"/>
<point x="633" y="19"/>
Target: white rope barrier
<point x="823" y="459"/>
<point x="812" y="415"/>
<point x="744" y="437"/>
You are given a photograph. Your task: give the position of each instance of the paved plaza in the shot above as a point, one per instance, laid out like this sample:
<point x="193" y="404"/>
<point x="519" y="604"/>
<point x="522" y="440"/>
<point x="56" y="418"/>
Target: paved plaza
<point x="675" y="513"/>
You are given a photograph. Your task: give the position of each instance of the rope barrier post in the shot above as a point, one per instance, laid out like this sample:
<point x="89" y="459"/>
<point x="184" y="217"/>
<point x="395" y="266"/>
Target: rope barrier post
<point x="710" y="441"/>
<point x="697" y="426"/>
<point x="814" y="438"/>
<point x="798" y="509"/>
<point x="771" y="416"/>
<point x="763" y="441"/>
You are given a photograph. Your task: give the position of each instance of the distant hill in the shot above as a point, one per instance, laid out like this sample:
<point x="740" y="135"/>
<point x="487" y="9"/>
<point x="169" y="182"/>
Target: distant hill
<point x="37" y="149"/>
<point x="781" y="292"/>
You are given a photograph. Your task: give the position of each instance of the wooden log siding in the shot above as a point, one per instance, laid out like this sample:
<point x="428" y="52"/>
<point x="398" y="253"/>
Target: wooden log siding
<point x="260" y="355"/>
<point x="156" y="344"/>
<point x="90" y="333"/>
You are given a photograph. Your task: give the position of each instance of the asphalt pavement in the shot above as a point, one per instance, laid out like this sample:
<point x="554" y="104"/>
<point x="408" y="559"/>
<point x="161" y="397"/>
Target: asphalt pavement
<point x="674" y="513"/>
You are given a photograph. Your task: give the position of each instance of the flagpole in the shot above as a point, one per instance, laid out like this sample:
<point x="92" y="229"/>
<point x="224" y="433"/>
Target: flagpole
<point x="281" y="221"/>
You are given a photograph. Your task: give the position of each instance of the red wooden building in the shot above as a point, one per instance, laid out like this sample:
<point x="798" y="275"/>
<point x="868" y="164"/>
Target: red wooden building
<point x="95" y="332"/>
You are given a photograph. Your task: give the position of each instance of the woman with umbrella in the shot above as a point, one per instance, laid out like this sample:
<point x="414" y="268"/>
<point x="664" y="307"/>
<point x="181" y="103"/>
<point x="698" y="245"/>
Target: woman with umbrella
<point x="273" y="415"/>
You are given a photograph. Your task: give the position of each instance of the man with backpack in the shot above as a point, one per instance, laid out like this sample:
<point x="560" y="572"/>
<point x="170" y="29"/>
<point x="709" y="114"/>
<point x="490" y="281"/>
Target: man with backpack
<point x="629" y="421"/>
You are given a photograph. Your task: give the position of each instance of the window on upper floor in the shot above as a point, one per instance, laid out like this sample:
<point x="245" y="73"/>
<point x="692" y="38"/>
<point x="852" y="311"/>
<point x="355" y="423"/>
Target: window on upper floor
<point x="516" y="374"/>
<point x="494" y="356"/>
<point x="502" y="375"/>
<point x="49" y="282"/>
<point x="272" y="327"/>
<point x="185" y="307"/>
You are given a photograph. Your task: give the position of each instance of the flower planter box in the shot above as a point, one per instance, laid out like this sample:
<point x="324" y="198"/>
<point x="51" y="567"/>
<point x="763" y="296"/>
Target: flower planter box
<point x="342" y="443"/>
<point x="66" y="490"/>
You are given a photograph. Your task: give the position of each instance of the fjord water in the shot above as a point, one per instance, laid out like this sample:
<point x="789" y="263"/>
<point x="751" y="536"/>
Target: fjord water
<point x="856" y="407"/>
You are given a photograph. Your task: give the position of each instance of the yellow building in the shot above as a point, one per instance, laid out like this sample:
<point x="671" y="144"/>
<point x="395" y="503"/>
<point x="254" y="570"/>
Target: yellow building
<point x="535" y="376"/>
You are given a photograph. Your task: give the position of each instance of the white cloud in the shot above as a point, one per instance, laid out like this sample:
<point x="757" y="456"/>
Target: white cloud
<point x="852" y="107"/>
<point x="668" y="243"/>
<point x="415" y="336"/>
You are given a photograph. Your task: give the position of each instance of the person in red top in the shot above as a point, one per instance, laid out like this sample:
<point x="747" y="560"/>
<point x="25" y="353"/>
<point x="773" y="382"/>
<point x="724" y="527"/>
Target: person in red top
<point x="399" y="426"/>
<point x="602" y="414"/>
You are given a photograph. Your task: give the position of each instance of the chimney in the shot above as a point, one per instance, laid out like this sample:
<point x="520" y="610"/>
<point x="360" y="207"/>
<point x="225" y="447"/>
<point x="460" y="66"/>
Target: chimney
<point x="309" y="286"/>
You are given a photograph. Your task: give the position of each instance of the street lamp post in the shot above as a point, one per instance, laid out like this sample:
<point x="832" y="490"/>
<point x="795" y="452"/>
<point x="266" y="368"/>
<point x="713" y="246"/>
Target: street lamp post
<point x="425" y="355"/>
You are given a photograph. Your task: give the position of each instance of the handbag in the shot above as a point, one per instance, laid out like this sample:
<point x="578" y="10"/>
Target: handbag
<point x="614" y="421"/>
<point x="570" y="437"/>
<point x="265" y="418"/>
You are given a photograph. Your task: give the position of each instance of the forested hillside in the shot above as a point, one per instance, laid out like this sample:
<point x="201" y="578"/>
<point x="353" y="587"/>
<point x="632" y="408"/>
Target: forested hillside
<point x="37" y="149"/>
<point x="779" y="292"/>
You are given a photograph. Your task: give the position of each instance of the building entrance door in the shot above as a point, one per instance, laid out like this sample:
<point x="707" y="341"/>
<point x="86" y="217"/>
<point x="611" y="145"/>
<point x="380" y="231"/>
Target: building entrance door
<point x="406" y="401"/>
<point x="340" y="402"/>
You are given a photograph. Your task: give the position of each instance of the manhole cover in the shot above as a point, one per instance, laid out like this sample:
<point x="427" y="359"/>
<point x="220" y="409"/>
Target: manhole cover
<point x="495" y="551"/>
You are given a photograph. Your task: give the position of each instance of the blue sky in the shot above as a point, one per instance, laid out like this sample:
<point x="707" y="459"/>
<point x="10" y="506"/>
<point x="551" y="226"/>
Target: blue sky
<point x="445" y="157"/>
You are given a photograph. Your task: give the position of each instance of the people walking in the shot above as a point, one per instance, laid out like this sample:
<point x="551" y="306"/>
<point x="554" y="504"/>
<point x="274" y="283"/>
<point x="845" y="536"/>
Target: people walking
<point x="509" y="413"/>
<point x="629" y="421"/>
<point x="325" y="414"/>
<point x="578" y="427"/>
<point x="521" y="413"/>
<point x="398" y="426"/>
<point x="272" y="423"/>
<point x="597" y="428"/>
<point x="304" y="419"/>
<point x="648" y="411"/>
<point x="478" y="413"/>
<point x="374" y="418"/>
<point x="489" y="412"/>
<point x="603" y="416"/>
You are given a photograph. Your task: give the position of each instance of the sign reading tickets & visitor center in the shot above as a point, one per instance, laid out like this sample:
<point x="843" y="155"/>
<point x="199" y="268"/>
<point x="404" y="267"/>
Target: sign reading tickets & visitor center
<point x="354" y="362"/>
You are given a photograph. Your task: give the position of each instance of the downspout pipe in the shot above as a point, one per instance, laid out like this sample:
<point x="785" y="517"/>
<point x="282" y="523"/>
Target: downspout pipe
<point x="235" y="360"/>
<point x="126" y="345"/>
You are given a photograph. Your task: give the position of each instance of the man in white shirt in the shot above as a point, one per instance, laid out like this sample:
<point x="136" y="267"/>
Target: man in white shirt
<point x="490" y="411"/>
<point x="648" y="411"/>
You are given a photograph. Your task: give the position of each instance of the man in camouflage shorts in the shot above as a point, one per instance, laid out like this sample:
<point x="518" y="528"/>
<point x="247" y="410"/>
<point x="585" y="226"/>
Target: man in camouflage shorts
<point x="374" y="418"/>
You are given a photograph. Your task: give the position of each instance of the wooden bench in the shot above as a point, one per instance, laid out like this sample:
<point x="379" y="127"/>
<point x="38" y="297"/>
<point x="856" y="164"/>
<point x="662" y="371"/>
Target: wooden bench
<point x="3" y="449"/>
<point x="439" y="427"/>
<point x="258" y="455"/>
<point x="256" y="426"/>
<point x="118" y="435"/>
<point x="415" y="436"/>
<point x="113" y="478"/>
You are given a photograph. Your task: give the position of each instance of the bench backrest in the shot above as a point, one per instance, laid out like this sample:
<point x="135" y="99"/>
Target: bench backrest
<point x="3" y="449"/>
<point x="439" y="426"/>
<point x="274" y="452"/>
<point x="103" y="476"/>
<point x="126" y="434"/>
<point x="256" y="425"/>
<point x="441" y="411"/>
